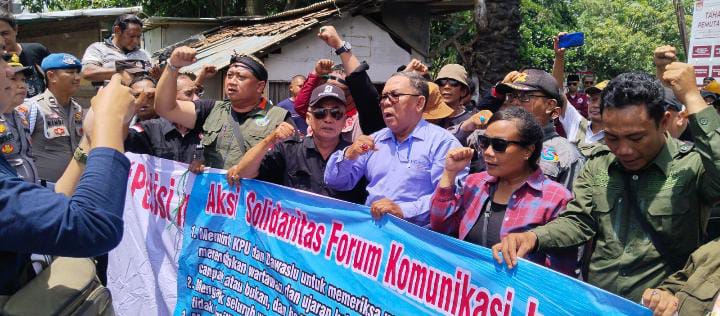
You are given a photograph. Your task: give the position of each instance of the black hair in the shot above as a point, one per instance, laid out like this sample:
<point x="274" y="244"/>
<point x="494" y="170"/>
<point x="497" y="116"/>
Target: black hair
<point x="573" y="77"/>
<point x="528" y="128"/>
<point x="142" y="77"/>
<point x="635" y="88"/>
<point x="8" y="18"/>
<point x="123" y="20"/>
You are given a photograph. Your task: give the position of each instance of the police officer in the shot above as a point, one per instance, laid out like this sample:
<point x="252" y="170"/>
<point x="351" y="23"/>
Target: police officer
<point x="644" y="198"/>
<point x="55" y="117"/>
<point x="230" y="127"/>
<point x="537" y="92"/>
<point x="14" y="126"/>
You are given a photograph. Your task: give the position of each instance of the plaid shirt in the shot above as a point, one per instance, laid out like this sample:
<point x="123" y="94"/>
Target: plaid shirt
<point x="535" y="203"/>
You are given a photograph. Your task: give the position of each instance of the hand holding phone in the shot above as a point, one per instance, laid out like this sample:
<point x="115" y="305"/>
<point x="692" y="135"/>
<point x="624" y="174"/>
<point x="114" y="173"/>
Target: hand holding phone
<point x="571" y="40"/>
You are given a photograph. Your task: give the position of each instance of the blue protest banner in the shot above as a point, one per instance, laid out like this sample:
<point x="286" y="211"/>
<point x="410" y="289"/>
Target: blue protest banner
<point x="264" y="249"/>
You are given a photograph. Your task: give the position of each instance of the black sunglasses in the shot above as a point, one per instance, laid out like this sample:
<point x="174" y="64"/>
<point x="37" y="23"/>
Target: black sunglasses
<point x="329" y="77"/>
<point x="444" y="81"/>
<point x="588" y="83"/>
<point x="498" y="144"/>
<point x="323" y="113"/>
<point x="572" y="83"/>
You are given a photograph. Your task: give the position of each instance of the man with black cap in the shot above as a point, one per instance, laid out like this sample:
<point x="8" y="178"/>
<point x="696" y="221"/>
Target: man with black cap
<point x="15" y="141"/>
<point x="55" y="118"/>
<point x="300" y="163"/>
<point x="537" y="92"/>
<point x="100" y="59"/>
<point x="677" y="122"/>
<point x="231" y="127"/>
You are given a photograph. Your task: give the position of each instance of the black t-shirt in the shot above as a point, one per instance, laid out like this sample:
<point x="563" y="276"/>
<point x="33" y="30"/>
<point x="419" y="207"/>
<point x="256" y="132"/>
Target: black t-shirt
<point x="492" y="230"/>
<point x="160" y="138"/>
<point x="32" y="55"/>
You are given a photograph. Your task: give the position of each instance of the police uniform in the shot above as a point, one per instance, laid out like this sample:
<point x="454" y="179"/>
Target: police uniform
<point x="560" y="160"/>
<point x="15" y="144"/>
<point x="227" y="135"/>
<point x="674" y="193"/>
<point x="56" y="129"/>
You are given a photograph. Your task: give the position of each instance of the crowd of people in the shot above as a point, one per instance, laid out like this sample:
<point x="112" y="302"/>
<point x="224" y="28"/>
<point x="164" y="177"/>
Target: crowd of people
<point x="610" y="181"/>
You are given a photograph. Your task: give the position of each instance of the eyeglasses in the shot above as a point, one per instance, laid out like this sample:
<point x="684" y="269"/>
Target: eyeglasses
<point x="451" y="82"/>
<point x="588" y="83"/>
<point x="522" y="97"/>
<point x="394" y="97"/>
<point x="498" y="144"/>
<point x="323" y="113"/>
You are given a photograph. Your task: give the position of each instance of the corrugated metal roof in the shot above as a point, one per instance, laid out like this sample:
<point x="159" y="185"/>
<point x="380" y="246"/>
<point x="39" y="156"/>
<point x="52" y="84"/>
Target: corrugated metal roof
<point x="217" y="46"/>
<point x="58" y="15"/>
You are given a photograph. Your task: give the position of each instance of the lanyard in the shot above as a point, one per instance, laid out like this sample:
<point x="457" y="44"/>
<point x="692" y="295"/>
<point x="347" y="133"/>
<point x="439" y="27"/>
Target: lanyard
<point x="486" y="213"/>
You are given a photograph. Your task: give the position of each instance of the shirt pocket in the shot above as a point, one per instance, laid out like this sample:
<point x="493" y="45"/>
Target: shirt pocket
<point x="608" y="245"/>
<point x="211" y="129"/>
<point x="669" y="214"/>
<point x="702" y="287"/>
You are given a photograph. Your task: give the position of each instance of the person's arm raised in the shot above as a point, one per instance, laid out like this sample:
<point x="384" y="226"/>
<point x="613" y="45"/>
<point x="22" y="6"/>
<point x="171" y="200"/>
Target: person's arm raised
<point x="166" y="105"/>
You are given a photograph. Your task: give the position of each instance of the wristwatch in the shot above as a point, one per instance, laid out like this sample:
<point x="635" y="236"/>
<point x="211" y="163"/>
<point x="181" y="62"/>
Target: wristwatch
<point x="80" y="155"/>
<point x="171" y="67"/>
<point x="346" y="47"/>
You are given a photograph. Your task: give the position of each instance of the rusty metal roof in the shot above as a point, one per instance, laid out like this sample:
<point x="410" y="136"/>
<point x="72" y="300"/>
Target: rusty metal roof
<point x="216" y="46"/>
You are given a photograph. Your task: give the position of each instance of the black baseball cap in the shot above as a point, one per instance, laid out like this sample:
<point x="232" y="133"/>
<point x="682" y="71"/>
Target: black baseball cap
<point x="533" y="80"/>
<point x="327" y="91"/>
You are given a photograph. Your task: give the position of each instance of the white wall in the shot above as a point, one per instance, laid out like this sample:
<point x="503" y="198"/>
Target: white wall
<point x="369" y="43"/>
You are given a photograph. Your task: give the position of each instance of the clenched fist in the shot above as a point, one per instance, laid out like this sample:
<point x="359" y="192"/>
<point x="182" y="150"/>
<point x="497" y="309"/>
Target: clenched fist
<point x="282" y="132"/>
<point x="457" y="159"/>
<point x="182" y="56"/>
<point x="477" y="121"/>
<point x="323" y="67"/>
<point x="330" y="36"/>
<point x="361" y="146"/>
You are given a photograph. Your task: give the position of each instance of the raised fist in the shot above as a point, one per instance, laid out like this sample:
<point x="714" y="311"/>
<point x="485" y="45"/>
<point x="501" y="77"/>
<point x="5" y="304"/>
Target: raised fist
<point x="182" y="56"/>
<point x="323" y="67"/>
<point x="458" y="158"/>
<point x="361" y="146"/>
<point x="330" y="36"/>
<point x="282" y="132"/>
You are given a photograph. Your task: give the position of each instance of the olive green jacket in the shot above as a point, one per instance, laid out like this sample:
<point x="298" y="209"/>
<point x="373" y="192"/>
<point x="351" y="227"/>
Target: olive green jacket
<point x="674" y="193"/>
<point x="696" y="286"/>
<point x="222" y="149"/>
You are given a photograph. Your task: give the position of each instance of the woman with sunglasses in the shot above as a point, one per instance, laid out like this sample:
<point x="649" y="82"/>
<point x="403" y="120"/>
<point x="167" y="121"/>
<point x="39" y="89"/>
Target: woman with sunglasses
<point x="512" y="195"/>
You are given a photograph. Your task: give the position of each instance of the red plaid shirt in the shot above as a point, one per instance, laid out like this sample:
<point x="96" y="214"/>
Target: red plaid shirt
<point x="535" y="203"/>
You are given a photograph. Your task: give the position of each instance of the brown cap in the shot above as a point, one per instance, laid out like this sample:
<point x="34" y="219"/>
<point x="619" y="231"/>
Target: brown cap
<point x="453" y="71"/>
<point x="327" y="91"/>
<point x="598" y="87"/>
<point x="435" y="108"/>
<point x="533" y="80"/>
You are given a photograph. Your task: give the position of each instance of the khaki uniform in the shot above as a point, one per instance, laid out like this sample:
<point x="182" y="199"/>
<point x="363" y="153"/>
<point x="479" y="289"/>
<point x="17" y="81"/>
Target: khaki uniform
<point x="222" y="148"/>
<point x="697" y="285"/>
<point x="674" y="193"/>
<point x="56" y="133"/>
<point x="15" y="144"/>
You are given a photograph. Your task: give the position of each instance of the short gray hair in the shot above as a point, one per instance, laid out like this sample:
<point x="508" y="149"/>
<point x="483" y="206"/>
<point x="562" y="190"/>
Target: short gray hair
<point x="417" y="82"/>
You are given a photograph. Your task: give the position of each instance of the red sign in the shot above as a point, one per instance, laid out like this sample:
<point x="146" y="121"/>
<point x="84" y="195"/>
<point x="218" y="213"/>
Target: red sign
<point x="701" y="51"/>
<point x="715" y="71"/>
<point x="702" y="71"/>
<point x="717" y="51"/>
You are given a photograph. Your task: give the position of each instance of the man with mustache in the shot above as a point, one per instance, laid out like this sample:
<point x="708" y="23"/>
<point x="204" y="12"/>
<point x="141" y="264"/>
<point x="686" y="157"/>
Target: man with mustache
<point x="55" y="117"/>
<point x="231" y="127"/>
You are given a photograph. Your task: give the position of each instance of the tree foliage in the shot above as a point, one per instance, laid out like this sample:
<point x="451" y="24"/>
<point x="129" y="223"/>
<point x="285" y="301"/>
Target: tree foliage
<point x="620" y="35"/>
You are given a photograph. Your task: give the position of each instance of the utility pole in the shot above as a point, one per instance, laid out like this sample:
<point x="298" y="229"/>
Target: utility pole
<point x="680" y="14"/>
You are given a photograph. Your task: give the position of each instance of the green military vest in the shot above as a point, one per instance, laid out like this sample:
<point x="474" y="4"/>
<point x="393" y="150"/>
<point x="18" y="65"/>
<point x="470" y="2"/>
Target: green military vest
<point x="222" y="148"/>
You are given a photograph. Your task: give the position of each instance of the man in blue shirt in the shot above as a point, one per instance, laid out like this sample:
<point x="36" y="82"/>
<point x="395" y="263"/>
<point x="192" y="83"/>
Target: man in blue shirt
<point x="402" y="162"/>
<point x="289" y="104"/>
<point x="88" y="223"/>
